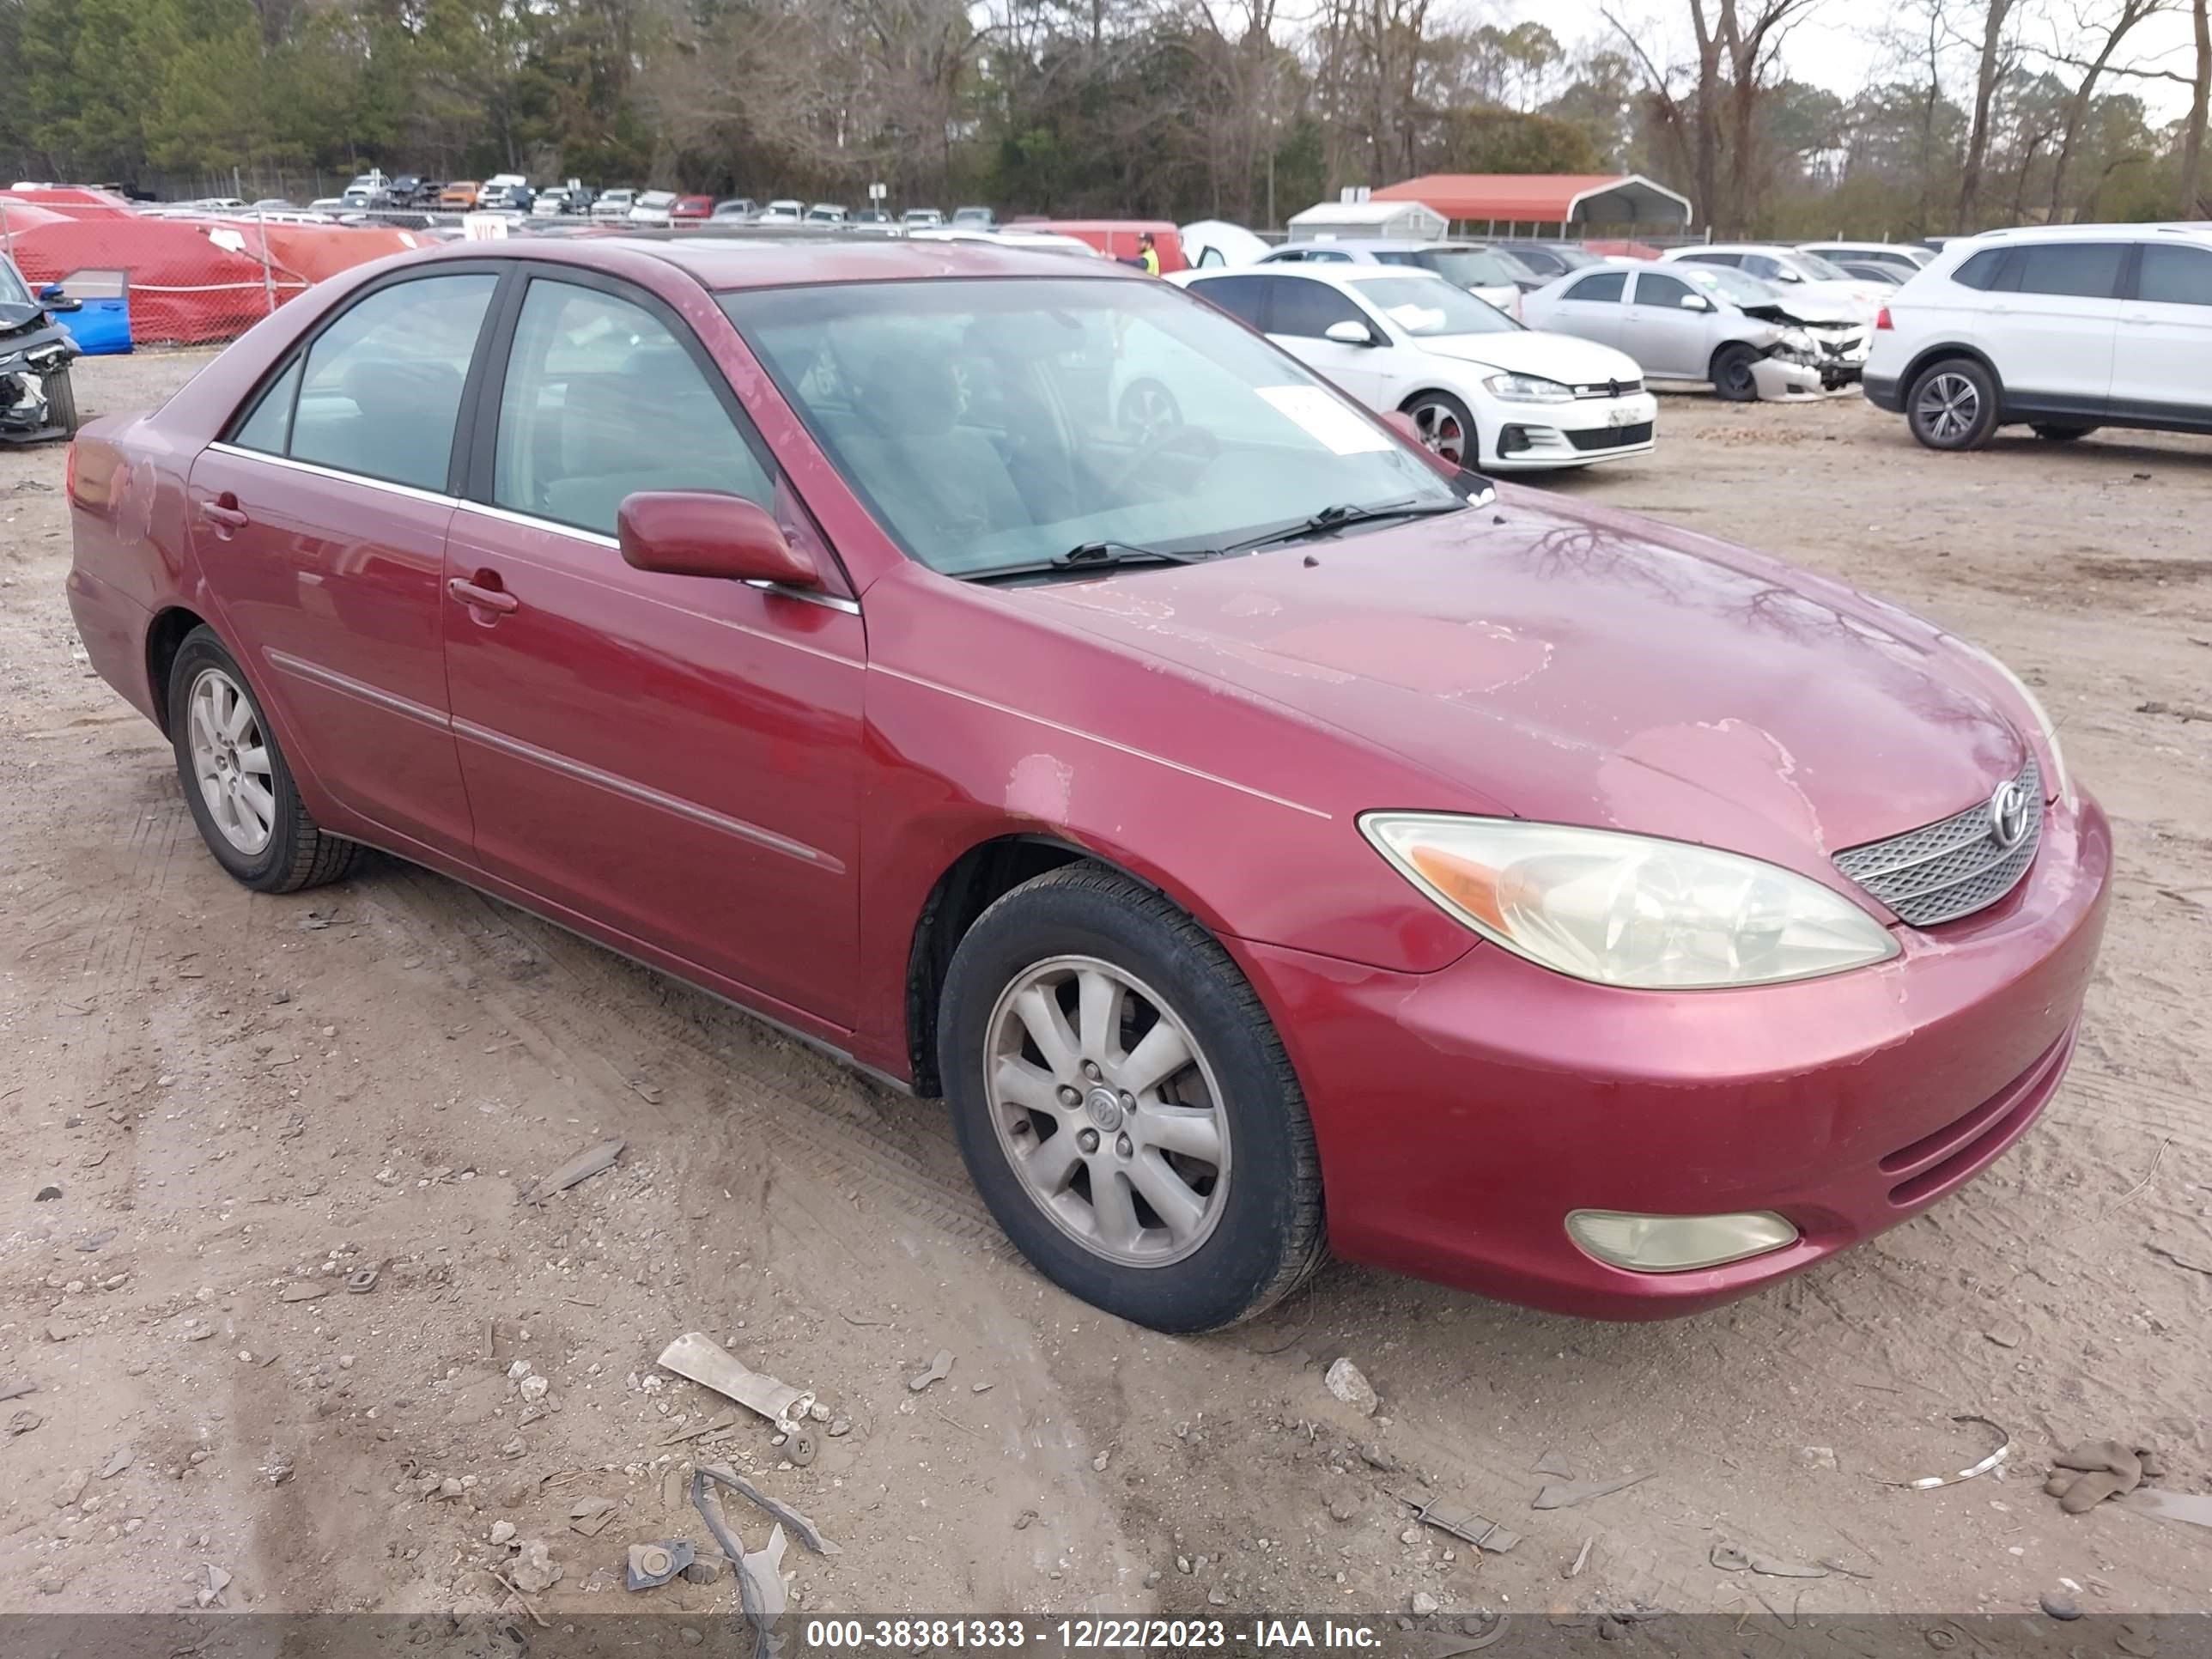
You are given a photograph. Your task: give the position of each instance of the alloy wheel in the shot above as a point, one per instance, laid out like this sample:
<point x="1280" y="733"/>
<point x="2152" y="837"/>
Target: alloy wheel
<point x="1147" y="412"/>
<point x="1107" y="1111"/>
<point x="231" y="761"/>
<point x="1947" y="407"/>
<point x="1442" y="431"/>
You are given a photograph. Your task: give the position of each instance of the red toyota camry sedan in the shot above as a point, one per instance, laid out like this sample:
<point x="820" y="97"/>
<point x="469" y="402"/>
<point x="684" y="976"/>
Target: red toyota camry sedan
<point x="1264" y="840"/>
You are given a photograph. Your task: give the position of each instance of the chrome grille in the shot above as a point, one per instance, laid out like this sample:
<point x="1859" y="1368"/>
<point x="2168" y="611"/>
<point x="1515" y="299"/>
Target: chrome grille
<point x="1609" y="388"/>
<point x="1951" y="868"/>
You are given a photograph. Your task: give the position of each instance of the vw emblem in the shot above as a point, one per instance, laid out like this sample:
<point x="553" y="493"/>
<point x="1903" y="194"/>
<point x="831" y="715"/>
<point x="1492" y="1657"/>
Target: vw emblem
<point x="2009" y="814"/>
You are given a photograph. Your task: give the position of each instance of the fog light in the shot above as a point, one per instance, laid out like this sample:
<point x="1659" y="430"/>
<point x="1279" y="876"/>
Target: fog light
<point x="1676" y="1244"/>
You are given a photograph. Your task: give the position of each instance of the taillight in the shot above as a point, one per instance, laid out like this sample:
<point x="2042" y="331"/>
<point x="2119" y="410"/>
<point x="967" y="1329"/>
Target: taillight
<point x="1882" y="318"/>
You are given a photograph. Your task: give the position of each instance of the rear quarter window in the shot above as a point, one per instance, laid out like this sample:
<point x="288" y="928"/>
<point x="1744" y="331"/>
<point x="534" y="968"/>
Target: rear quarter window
<point x="1981" y="270"/>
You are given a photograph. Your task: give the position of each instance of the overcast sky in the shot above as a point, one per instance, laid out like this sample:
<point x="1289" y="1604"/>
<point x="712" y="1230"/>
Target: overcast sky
<point x="1835" y="48"/>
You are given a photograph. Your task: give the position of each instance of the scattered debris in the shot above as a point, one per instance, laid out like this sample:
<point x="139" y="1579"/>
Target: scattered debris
<point x="840" y="1427"/>
<point x="501" y="1531"/>
<point x="15" y="1388"/>
<point x="582" y="1167"/>
<point x="535" y="1570"/>
<point x="213" y="1582"/>
<point x="23" y="1423"/>
<point x="651" y="1565"/>
<point x="71" y="1488"/>
<point x="940" y="1366"/>
<point x="1733" y="1557"/>
<point x="363" y="1281"/>
<point x="1098" y="1464"/>
<point x="699" y="1358"/>
<point x="1554" y="1463"/>
<point x="92" y="1241"/>
<point x="1565" y="1494"/>
<point x="720" y="1422"/>
<point x="590" y="1516"/>
<point x="1025" y="1519"/>
<point x="2006" y="1333"/>
<point x="808" y="1533"/>
<point x="306" y="1289"/>
<point x="799" y="1449"/>
<point x="2184" y="711"/>
<point x="983" y="1387"/>
<point x="761" y="1589"/>
<point x="1817" y="1458"/>
<point x="2085" y="1475"/>
<point x="706" y="1570"/>
<point x="47" y="1194"/>
<point x="2193" y="1508"/>
<point x="1461" y="1524"/>
<point x="118" y="1460"/>
<point x="1582" y="1558"/>
<point x="1345" y="1381"/>
<point x="1424" y="1604"/>
<point x="2062" y="1607"/>
<point x="1928" y="1482"/>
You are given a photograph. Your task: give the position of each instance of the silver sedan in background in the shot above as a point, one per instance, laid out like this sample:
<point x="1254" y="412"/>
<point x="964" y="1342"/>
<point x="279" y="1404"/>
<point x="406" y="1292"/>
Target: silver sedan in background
<point x="1707" y="325"/>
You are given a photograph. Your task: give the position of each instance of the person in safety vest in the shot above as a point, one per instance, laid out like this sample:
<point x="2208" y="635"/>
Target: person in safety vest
<point x="1147" y="255"/>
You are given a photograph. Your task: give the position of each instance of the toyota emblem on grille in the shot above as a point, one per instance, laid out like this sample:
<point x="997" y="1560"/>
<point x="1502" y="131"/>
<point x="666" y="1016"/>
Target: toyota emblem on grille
<point x="2008" y="818"/>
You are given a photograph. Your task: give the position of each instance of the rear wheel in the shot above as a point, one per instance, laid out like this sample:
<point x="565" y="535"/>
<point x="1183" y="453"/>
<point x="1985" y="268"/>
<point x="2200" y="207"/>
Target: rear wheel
<point x="1125" y="1105"/>
<point x="1953" y="405"/>
<point x="236" y="781"/>
<point x="1446" y="427"/>
<point x="61" y="401"/>
<point x="2059" y="435"/>
<point x="1732" y="373"/>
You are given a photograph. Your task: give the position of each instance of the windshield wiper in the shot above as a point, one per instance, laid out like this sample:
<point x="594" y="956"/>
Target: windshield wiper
<point x="1098" y="555"/>
<point x="1341" y="515"/>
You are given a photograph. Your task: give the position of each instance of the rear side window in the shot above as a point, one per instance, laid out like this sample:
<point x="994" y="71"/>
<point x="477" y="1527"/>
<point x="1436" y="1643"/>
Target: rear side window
<point x="269" y="428"/>
<point x="2175" y="275"/>
<point x="2085" y="271"/>
<point x="601" y="401"/>
<point x="1981" y="271"/>
<point x="382" y="385"/>
<point x="1604" y="288"/>
<point x="1239" y="296"/>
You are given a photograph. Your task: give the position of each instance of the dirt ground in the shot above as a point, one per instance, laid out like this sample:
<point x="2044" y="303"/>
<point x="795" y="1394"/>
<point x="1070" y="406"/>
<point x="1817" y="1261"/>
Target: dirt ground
<point x="240" y="1096"/>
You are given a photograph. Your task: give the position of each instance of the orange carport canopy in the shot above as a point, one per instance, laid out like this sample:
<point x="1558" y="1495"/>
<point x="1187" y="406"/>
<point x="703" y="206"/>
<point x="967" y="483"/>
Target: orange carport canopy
<point x="1545" y="198"/>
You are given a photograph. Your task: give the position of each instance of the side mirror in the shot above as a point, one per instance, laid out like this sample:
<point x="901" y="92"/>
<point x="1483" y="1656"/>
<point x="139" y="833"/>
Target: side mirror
<point x="698" y="533"/>
<point x="1351" y="333"/>
<point x="1694" y="302"/>
<point x="51" y="291"/>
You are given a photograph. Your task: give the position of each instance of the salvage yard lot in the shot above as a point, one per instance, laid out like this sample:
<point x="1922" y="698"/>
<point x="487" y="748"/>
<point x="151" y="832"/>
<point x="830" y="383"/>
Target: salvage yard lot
<point x="235" y="1093"/>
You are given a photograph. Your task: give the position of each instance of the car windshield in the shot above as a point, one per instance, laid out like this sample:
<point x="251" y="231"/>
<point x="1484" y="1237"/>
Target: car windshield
<point x="13" y="289"/>
<point x="1738" y="288"/>
<point x="995" y="424"/>
<point x="1474" y="267"/>
<point x="1815" y="268"/>
<point x="1423" y="307"/>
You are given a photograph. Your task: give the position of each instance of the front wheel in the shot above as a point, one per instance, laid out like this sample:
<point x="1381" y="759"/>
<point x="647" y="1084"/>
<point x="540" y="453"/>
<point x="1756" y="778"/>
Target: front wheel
<point x="236" y="779"/>
<point x="1446" y="427"/>
<point x="61" y="401"/>
<point x="1733" y="378"/>
<point x="1125" y="1106"/>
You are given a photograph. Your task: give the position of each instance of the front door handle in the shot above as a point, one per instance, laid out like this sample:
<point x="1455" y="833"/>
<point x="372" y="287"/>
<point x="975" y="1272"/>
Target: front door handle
<point x="2138" y="319"/>
<point x="224" y="512"/>
<point x="483" y="599"/>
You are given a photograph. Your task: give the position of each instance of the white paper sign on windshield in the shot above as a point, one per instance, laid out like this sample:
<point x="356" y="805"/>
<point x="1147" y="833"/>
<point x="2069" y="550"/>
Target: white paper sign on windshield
<point x="1326" y="420"/>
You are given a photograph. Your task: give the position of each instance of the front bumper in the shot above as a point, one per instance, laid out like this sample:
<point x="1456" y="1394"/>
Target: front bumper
<point x="1777" y="378"/>
<point x="1543" y="436"/>
<point x="1461" y="1114"/>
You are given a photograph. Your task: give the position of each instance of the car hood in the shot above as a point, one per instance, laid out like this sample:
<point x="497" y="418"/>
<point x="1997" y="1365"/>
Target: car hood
<point x="1533" y="351"/>
<point x="1582" y="666"/>
<point x="1856" y="300"/>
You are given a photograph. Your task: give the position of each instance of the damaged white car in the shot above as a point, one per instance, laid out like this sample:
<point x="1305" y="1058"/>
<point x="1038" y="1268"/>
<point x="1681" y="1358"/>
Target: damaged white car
<point x="1709" y="325"/>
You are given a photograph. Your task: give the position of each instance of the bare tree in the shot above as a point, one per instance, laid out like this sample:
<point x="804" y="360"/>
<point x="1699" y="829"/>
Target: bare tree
<point x="1995" y="15"/>
<point x="2195" y="205"/>
<point x="2120" y="25"/>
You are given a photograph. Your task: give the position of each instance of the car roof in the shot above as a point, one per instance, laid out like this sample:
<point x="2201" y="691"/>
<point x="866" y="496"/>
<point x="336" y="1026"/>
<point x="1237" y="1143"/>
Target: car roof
<point x="2198" y="232"/>
<point x="722" y="263"/>
<point x="1734" y="247"/>
<point x="1335" y="275"/>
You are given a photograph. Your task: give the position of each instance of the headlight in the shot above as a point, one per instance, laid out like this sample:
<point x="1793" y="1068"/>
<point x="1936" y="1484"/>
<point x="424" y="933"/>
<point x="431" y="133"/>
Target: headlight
<point x="2061" y="780"/>
<point x="1795" y="343"/>
<point x="1528" y="389"/>
<point x="1628" y="910"/>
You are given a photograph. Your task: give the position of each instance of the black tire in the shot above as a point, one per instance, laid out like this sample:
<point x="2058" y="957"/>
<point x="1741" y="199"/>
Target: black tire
<point x="1434" y="415"/>
<point x="1732" y="375"/>
<point x="2056" y="434"/>
<point x="61" y="401"/>
<point x="299" y="854"/>
<point x="1268" y="1235"/>
<point x="1952" y="404"/>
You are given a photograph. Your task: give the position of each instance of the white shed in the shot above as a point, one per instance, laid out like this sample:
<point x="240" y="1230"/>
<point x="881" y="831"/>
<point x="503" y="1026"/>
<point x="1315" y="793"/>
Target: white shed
<point x="1325" y="221"/>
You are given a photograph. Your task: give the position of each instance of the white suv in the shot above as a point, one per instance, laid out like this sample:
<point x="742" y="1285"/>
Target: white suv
<point x="2061" y="328"/>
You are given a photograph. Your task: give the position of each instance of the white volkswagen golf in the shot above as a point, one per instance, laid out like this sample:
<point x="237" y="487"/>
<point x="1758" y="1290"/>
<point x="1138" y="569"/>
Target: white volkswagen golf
<point x="1483" y="390"/>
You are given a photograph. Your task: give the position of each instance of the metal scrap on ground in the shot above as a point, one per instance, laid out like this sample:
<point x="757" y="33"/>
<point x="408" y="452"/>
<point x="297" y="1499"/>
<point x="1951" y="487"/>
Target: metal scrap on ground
<point x="1463" y="1523"/>
<point x="702" y="1360"/>
<point x="1927" y="1482"/>
<point x="1563" y="1494"/>
<point x="1734" y="1558"/>
<point x="582" y="1167"/>
<point x="940" y="1366"/>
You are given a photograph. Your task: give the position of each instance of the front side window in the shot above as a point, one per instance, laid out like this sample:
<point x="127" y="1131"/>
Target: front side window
<point x="1713" y="259"/>
<point x="1240" y="296"/>
<point x="602" y="401"/>
<point x="1812" y="268"/>
<point x="1306" y="310"/>
<point x="1474" y="267"/>
<point x="2084" y="271"/>
<point x="380" y="389"/>
<point x="1424" y="305"/>
<point x="1604" y="288"/>
<point x="1657" y="287"/>
<point x="2175" y="277"/>
<point x="1720" y="282"/>
<point x="983" y="420"/>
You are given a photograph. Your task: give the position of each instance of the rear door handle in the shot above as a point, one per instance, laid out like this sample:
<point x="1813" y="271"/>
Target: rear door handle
<point x="483" y="599"/>
<point x="2138" y="319"/>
